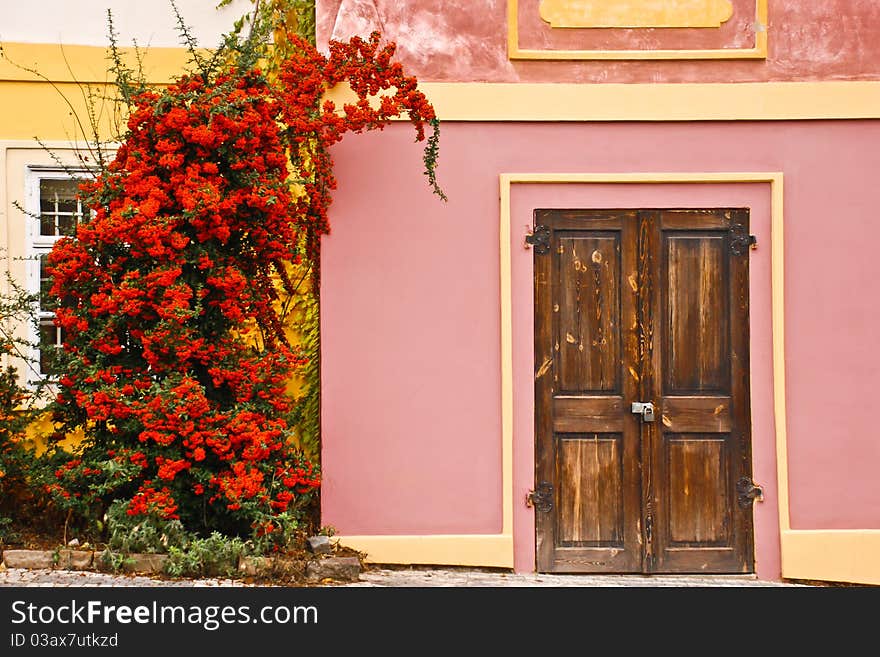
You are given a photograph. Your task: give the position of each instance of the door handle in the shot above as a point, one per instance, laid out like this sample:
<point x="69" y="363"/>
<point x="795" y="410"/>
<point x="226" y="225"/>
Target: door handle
<point x="645" y="409"/>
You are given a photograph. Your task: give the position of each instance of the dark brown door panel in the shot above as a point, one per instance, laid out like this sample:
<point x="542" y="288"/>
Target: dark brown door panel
<point x="642" y="306"/>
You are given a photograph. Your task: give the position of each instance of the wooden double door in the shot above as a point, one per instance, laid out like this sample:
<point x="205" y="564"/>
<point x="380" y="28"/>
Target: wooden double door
<point x="644" y="307"/>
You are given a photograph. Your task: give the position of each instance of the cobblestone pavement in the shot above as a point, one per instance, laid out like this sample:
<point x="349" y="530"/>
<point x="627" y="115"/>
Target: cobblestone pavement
<point x="477" y="577"/>
<point x="408" y="577"/>
<point x="46" y="577"/>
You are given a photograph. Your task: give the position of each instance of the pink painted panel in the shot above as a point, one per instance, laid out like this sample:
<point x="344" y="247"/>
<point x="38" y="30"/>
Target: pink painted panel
<point x="410" y="360"/>
<point x="411" y="365"/>
<point x="466" y="41"/>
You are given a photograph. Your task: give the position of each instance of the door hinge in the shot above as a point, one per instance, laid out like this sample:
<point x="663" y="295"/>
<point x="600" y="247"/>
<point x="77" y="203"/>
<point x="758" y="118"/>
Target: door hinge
<point x="740" y="240"/>
<point x="540" y="239"/>
<point x="747" y="492"/>
<point x="541" y="498"/>
<point x="649" y="530"/>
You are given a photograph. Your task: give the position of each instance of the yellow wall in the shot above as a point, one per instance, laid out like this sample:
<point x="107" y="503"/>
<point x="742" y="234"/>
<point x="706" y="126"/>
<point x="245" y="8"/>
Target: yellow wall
<point x="15" y="158"/>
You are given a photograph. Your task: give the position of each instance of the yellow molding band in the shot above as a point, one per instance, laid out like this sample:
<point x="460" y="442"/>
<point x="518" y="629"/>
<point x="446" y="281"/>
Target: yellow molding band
<point x="777" y="314"/>
<point x="640" y="177"/>
<point x="840" y="555"/>
<point x="506" y="291"/>
<point x="479" y="101"/>
<point x="758" y="51"/>
<point x="492" y="550"/>
<point x="746" y="101"/>
<point x="86" y="64"/>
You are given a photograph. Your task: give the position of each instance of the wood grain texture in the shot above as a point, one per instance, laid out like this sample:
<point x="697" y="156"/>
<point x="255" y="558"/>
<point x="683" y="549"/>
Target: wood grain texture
<point x="587" y="442"/>
<point x="649" y="364"/>
<point x="696" y="414"/>
<point x="590" y="511"/>
<point x="697" y="318"/>
<point x="642" y="305"/>
<point x="697" y="490"/>
<point x="599" y="414"/>
<point x="703" y="439"/>
<point x="588" y="345"/>
<point x="545" y="458"/>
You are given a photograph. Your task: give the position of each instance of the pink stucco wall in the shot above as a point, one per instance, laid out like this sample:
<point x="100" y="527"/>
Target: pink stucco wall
<point x="409" y="351"/>
<point x="410" y="314"/>
<point x="466" y="41"/>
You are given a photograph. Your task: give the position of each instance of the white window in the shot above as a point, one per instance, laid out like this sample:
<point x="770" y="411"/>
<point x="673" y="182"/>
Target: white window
<point x="53" y="211"/>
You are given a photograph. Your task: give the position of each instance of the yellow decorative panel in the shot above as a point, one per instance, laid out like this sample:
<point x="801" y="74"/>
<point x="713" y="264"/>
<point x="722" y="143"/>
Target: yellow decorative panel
<point x="636" y="13"/>
<point x="633" y="14"/>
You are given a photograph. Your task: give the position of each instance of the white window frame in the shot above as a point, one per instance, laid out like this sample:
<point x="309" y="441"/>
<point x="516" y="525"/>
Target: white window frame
<point x="38" y="244"/>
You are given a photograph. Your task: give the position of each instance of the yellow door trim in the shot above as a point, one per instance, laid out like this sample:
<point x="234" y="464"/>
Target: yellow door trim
<point x="774" y="179"/>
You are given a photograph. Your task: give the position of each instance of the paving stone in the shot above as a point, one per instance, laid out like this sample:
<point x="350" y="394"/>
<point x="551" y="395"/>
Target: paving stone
<point x="75" y="559"/>
<point x="343" y="569"/>
<point x="28" y="558"/>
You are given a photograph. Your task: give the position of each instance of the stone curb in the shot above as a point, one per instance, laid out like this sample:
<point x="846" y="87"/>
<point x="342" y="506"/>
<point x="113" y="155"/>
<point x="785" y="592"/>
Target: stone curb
<point x="345" y="569"/>
<point x="28" y="558"/>
<point x="75" y="559"/>
<point x="66" y="559"/>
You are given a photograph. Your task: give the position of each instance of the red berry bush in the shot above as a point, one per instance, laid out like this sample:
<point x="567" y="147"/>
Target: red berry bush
<point x="175" y="364"/>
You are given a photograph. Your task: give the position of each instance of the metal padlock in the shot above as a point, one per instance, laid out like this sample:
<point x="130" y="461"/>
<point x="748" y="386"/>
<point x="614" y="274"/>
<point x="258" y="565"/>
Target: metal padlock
<point x="645" y="409"/>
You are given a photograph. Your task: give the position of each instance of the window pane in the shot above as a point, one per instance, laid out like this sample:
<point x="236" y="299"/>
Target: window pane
<point x="59" y="207"/>
<point x="50" y="338"/>
<point x="60" y="212"/>
<point x="47" y="224"/>
<point x="67" y="206"/>
<point x="67" y="224"/>
<point x="47" y="303"/>
<point x="59" y="189"/>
